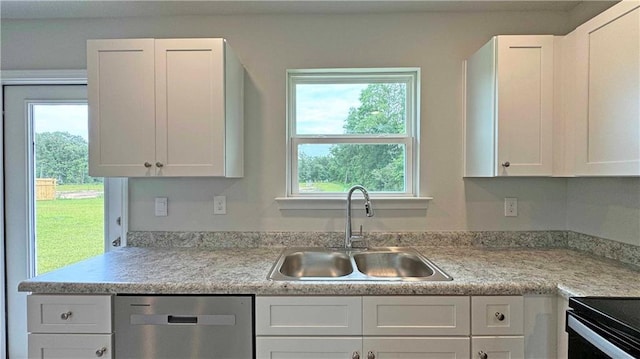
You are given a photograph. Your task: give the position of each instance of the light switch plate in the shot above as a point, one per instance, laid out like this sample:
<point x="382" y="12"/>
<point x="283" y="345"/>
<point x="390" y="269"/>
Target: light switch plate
<point x="161" y="206"/>
<point x="219" y="205"/>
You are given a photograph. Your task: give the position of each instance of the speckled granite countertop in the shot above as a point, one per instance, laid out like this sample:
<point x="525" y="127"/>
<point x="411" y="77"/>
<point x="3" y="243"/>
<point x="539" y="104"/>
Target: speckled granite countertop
<point x="476" y="271"/>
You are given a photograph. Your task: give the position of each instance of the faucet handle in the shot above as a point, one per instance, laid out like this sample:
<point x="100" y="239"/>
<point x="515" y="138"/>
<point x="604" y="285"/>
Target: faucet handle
<point x="359" y="238"/>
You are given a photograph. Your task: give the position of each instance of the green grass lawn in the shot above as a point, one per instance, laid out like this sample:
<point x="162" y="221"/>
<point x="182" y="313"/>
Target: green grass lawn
<point x="68" y="231"/>
<point x="322" y="187"/>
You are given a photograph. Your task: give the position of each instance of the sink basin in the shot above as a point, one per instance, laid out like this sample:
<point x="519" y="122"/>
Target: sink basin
<point x="316" y="264"/>
<point x="340" y="264"/>
<point x="392" y="264"/>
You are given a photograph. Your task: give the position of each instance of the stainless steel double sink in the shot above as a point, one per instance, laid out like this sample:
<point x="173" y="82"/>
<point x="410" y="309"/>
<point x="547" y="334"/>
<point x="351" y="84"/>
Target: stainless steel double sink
<point x="342" y="264"/>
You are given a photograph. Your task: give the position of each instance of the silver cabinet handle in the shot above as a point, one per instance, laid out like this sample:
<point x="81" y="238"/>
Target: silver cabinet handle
<point x="506" y="164"/>
<point x="147" y="164"/>
<point x="499" y="316"/>
<point x="66" y="316"/>
<point x="100" y="352"/>
<point x="482" y="355"/>
<point x="370" y="355"/>
<point x="159" y="164"/>
<point x="355" y="355"/>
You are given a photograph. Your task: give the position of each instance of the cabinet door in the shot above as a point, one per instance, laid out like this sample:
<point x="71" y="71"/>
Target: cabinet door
<point x="415" y="315"/>
<point x="524" y="106"/>
<point x="69" y="313"/>
<point x="308" y="348"/>
<point x="497" y="347"/>
<point x="423" y="348"/>
<point x="308" y="316"/>
<point x="608" y="122"/>
<point x="121" y="107"/>
<point x="70" y="346"/>
<point x="190" y="108"/>
<point x="497" y="315"/>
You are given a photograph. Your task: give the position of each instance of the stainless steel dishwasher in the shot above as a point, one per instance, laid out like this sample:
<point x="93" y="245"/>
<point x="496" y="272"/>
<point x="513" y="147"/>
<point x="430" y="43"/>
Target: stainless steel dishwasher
<point x="176" y="327"/>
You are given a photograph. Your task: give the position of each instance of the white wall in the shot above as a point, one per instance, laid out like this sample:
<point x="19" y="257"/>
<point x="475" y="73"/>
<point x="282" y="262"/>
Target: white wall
<point x="268" y="45"/>
<point x="605" y="207"/>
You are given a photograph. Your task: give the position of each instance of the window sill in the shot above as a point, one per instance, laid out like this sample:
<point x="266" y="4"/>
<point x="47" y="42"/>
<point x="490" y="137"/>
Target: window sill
<point x="297" y="203"/>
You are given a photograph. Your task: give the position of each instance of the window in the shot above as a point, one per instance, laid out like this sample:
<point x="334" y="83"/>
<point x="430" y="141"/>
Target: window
<point x="352" y="126"/>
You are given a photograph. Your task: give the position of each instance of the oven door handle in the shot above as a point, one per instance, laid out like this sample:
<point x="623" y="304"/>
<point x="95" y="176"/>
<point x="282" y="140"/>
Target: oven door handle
<point x="596" y="339"/>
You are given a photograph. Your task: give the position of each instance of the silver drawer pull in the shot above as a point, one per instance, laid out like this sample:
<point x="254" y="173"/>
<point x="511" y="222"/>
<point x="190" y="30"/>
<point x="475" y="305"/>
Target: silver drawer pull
<point x="355" y="355"/>
<point x="100" y="352"/>
<point x="66" y="316"/>
<point x="370" y="355"/>
<point x="159" y="164"/>
<point x="483" y="355"/>
<point x="499" y="316"/>
<point x="147" y="164"/>
<point x="506" y="164"/>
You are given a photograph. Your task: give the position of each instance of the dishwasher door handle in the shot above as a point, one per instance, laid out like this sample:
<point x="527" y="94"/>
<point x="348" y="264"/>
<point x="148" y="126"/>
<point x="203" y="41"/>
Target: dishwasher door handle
<point x="169" y="319"/>
<point x="181" y="319"/>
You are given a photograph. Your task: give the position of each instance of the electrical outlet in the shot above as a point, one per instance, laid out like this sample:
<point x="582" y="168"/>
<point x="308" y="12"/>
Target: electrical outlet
<point x="219" y="205"/>
<point x="161" y="206"/>
<point x="510" y="207"/>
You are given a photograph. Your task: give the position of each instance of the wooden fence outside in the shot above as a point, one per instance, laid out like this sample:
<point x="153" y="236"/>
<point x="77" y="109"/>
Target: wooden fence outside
<point x="45" y="189"/>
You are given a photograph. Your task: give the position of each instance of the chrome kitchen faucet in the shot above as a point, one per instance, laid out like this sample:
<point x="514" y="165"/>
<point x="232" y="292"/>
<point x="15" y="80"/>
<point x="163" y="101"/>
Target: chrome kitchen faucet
<point x="349" y="237"/>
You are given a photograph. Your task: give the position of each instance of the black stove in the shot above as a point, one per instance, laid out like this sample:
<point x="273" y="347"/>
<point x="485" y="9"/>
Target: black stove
<point x="604" y="327"/>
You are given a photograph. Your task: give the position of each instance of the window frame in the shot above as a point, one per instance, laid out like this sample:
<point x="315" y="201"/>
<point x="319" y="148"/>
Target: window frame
<point x="410" y="139"/>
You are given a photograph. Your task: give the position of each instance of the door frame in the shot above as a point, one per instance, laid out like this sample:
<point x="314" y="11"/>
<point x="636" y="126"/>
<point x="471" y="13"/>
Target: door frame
<point x="43" y="77"/>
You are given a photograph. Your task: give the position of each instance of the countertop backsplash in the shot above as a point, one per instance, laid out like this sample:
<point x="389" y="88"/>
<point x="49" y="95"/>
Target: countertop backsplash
<point x="601" y="247"/>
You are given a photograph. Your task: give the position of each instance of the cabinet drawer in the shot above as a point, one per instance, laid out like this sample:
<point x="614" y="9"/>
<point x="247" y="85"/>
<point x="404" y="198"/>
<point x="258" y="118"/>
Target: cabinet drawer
<point x="416" y="347"/>
<point x="498" y="315"/>
<point x="308" y="316"/>
<point x="71" y="346"/>
<point x="415" y="315"/>
<point x="308" y="347"/>
<point x="68" y="314"/>
<point x="497" y="347"/>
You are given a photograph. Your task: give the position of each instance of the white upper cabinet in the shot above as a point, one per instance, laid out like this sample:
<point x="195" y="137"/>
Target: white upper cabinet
<point x="607" y="102"/>
<point x="164" y="107"/>
<point x="121" y="92"/>
<point x="509" y="108"/>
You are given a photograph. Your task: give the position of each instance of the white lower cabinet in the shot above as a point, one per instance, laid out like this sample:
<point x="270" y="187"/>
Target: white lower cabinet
<point x="363" y="327"/>
<point x="416" y="315"/>
<point x="403" y="327"/>
<point x="497" y="327"/>
<point x="309" y="347"/>
<point x="44" y="346"/>
<point x="497" y="347"/>
<point x="361" y="347"/>
<point x="298" y="316"/>
<point x="410" y="348"/>
<point x="69" y="326"/>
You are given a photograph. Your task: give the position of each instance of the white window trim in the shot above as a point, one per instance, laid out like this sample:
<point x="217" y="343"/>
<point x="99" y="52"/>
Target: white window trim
<point x="335" y="203"/>
<point x="43" y="77"/>
<point x="409" y="199"/>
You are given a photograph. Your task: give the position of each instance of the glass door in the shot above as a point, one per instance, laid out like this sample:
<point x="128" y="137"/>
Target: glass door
<point x="55" y="211"/>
